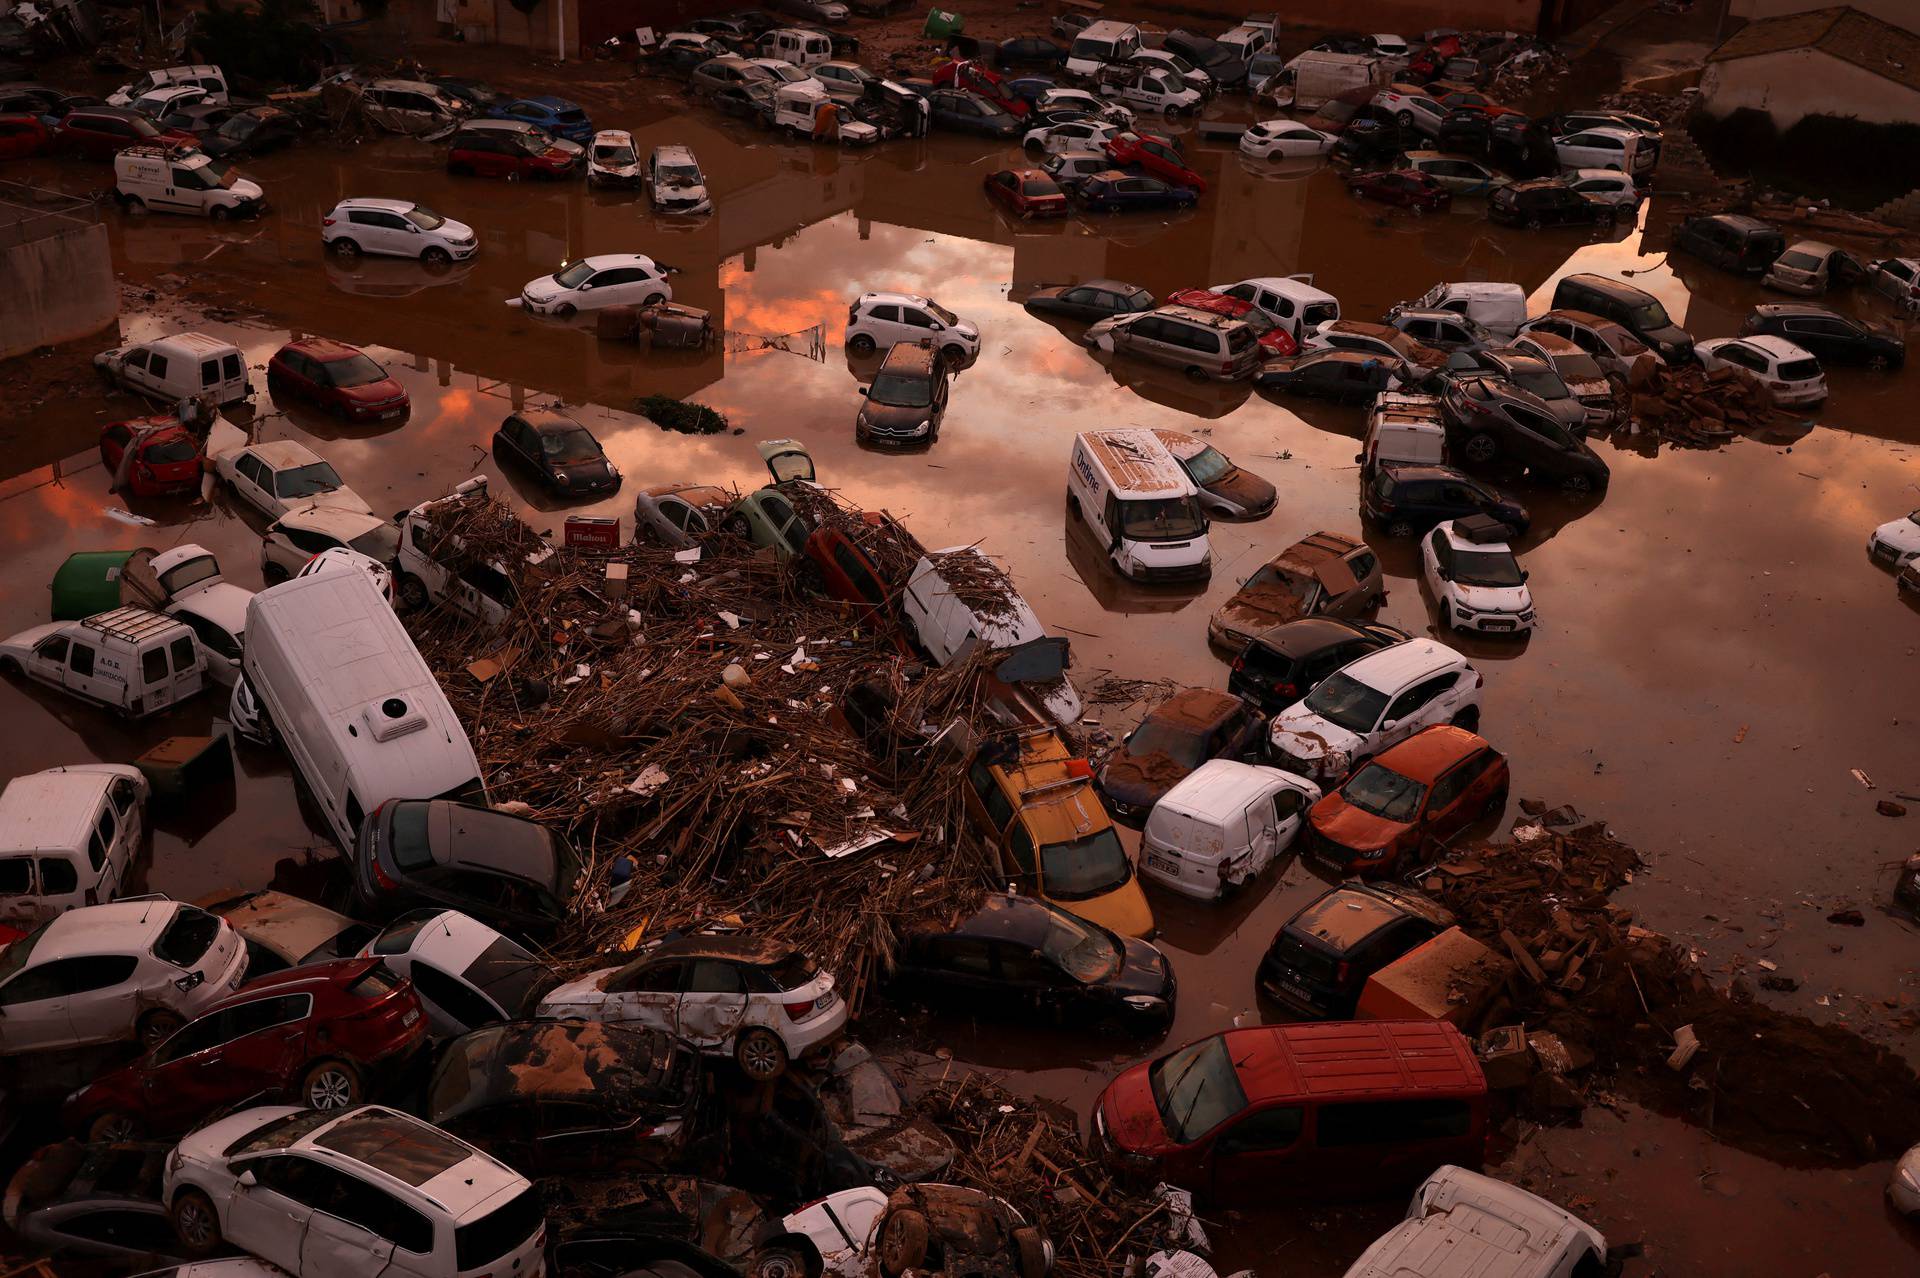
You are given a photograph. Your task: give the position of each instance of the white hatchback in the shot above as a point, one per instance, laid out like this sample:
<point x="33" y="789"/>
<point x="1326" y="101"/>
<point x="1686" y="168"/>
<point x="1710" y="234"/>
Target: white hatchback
<point x="875" y="321"/>
<point x="1478" y="584"/>
<point x="314" y="528"/>
<point x="1372" y="703"/>
<point x="1791" y="373"/>
<point x="1283" y="140"/>
<point x="1616" y="188"/>
<point x="1070" y="135"/>
<point x="396" y="228"/>
<point x="466" y="974"/>
<point x="611" y="279"/>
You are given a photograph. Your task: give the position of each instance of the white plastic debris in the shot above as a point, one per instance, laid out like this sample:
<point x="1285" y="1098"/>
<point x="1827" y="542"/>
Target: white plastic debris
<point x="648" y="783"/>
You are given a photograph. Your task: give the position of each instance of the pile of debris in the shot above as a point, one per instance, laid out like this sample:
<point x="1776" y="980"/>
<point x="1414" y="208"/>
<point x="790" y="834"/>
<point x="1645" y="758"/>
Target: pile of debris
<point x="1692" y="407"/>
<point x="1670" y="109"/>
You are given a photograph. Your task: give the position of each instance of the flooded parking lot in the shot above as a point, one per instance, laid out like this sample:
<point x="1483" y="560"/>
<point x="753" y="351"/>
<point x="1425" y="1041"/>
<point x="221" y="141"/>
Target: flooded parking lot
<point x="1715" y="660"/>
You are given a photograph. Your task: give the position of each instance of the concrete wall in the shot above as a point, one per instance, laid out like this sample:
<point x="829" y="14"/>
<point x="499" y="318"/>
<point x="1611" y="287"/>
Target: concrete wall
<point x="55" y="289"/>
<point x="1901" y="13"/>
<point x="1796" y="83"/>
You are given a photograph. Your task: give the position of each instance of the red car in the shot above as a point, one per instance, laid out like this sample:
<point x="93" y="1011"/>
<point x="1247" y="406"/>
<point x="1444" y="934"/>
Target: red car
<point x="21" y="136"/>
<point x="1341" y="1109"/>
<point x="340" y="378"/>
<point x="510" y="149"/>
<point x="100" y="133"/>
<point x="992" y="87"/>
<point x="1155" y="155"/>
<point x="1026" y="193"/>
<point x="1478" y="103"/>
<point x="1405" y="801"/>
<point x="1407" y="188"/>
<point x="1274" y="340"/>
<point x="166" y="456"/>
<point x="315" y="1035"/>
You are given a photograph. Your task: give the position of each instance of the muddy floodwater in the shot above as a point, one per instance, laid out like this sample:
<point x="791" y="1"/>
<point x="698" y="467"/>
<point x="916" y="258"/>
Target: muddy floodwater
<point x="1715" y="659"/>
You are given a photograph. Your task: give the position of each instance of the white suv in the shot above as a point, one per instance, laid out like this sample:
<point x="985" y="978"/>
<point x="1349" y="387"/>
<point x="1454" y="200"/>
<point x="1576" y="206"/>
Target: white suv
<point x="323" y="1194"/>
<point x="1367" y="705"/>
<point x="611" y="279"/>
<point x="135" y="969"/>
<point x="396" y="228"/>
<point x="1896" y="541"/>
<point x="877" y="320"/>
<point x="314" y="528"/>
<point x="1475" y="579"/>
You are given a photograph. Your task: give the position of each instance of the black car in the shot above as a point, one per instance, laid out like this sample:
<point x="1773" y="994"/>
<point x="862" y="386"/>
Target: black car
<point x="503" y="870"/>
<point x="1030" y="51"/>
<point x="1835" y="338"/>
<point x="967" y="112"/>
<point x="1731" y="241"/>
<point x="477" y="94"/>
<point x="1409" y="499"/>
<point x="1633" y="308"/>
<point x="908" y="398"/>
<point x="1321" y="957"/>
<point x="1512" y="142"/>
<point x="1542" y="202"/>
<point x="1020" y="956"/>
<point x="1217" y="60"/>
<point x="252" y="131"/>
<point x="1367" y="144"/>
<point x="1094" y="300"/>
<point x="1282" y="665"/>
<point x="562" y="452"/>
<point x="1117" y="191"/>
<point x="1346" y="376"/>
<point x="658" y="1224"/>
<point x="1491" y="420"/>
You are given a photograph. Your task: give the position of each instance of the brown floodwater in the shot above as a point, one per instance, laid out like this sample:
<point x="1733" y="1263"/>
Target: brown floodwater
<point x="1715" y="656"/>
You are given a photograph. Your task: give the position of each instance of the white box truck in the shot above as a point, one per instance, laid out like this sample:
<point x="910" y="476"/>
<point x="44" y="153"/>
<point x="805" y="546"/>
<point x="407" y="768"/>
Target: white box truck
<point x="1317" y="77"/>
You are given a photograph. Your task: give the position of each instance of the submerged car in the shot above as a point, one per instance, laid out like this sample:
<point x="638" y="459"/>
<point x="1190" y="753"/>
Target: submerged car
<point x="1093" y="300"/>
<point x="558" y="450"/>
<point x="1325" y="574"/>
<point x="1225" y="489"/>
<point x="1177" y="736"/>
<point x="1398" y="809"/>
<point x="1474" y="577"/>
<point x="438" y="854"/>
<point x="1280" y="666"/>
<point x="674" y="182"/>
<point x="611" y="159"/>
<point x="1320" y="958"/>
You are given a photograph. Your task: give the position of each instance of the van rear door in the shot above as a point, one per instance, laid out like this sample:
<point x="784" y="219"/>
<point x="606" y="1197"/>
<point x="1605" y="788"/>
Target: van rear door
<point x="171" y="669"/>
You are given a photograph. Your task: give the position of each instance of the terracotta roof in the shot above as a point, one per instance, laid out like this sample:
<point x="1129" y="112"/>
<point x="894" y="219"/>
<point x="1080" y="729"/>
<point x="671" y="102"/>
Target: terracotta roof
<point x="1843" y="33"/>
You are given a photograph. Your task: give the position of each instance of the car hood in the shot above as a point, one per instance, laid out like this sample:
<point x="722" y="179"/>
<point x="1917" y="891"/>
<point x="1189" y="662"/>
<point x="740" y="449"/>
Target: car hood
<point x="1143" y="970"/>
<point x="1252" y="610"/>
<point x="1494" y="598"/>
<point x="893" y="416"/>
<point x="1352" y="828"/>
<point x="1132" y="1120"/>
<point x="1123" y="910"/>
<point x="26" y="639"/>
<point x="586" y="473"/>
<point x="693" y="193"/>
<point x="1903" y="534"/>
<point x="586" y="990"/>
<point x="544" y="289"/>
<point x="1301" y="732"/>
<point x="618" y="170"/>
<point x="1243" y="488"/>
<point x="373" y="392"/>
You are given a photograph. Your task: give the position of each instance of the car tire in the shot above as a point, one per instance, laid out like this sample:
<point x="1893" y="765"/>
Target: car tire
<point x="1468" y="719"/>
<point x="436" y="256"/>
<point x="195" y="1222"/>
<point x="219" y="213"/>
<point x="1031" y="1250"/>
<point x="135" y="204"/>
<point x="759" y="1052"/>
<point x="955" y="354"/>
<point x="1400" y="528"/>
<point x="1878" y="363"/>
<point x="860" y="344"/>
<point x="565" y="311"/>
<point x="1533" y="224"/>
<point x="1195" y="373"/>
<point x="329" y="1084"/>
<point x="903" y="1242"/>
<point x="1404" y="119"/>
<point x="112" y="1127"/>
<point x="1445" y="622"/>
<point x="153" y="1028"/>
<point x="737" y="525"/>
<point x="345" y="246"/>
<point x="1577" y="483"/>
<point x="412" y="592"/>
<point x="778" y="1262"/>
<point x="1418" y="210"/>
<point x="1481" y="448"/>
<point x="1495" y="804"/>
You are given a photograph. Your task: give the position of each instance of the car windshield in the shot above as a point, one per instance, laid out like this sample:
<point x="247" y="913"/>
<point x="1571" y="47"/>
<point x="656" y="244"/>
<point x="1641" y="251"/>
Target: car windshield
<point x="1650" y="315"/>
<point x="1258" y="322"/>
<point x="1800" y="261"/>
<point x="381" y="542"/>
<point x="1486" y="568"/>
<point x="191" y="573"/>
<point x="1185" y="746"/>
<point x="1208" y="465"/>
<point x="1140" y="300"/>
<point x="305" y="481"/>
<point x="573" y="274"/>
<point x="240" y="127"/>
<point x="15" y="956"/>
<point x="358" y="370"/>
<point x="1270" y="580"/>
<point x="1196" y="1089"/>
<point x="424" y="218"/>
<point x="1543" y="382"/>
<point x="680" y="174"/>
<point x="1084" y="867"/>
<point x="182" y="450"/>
<point x="576" y="445"/>
<point x="942" y="314"/>
<point x="1344" y="700"/>
<point x="219" y="173"/>
<point x="1161" y="519"/>
<point x="617" y="153"/>
<point x="1085" y="952"/>
<point x="1384" y="792"/>
<point x="1580" y="367"/>
<point x="901" y="390"/>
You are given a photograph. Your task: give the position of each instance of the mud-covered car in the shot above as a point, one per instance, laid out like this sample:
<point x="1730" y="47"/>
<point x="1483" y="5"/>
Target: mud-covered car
<point x="1177" y="736"/>
<point x="1327" y="574"/>
<point x="958" y="1232"/>
<point x="1225" y="489"/>
<point x="714" y="1230"/>
<point x="100" y="1201"/>
<point x="674" y="515"/>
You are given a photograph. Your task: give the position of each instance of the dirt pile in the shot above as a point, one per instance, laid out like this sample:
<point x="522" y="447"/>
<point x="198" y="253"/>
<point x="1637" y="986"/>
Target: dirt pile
<point x="1692" y="407"/>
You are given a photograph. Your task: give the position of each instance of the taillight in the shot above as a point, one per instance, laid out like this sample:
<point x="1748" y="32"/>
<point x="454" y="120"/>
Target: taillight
<point x="1080" y="768"/>
<point x="326" y="221"/>
<point x="1239" y="664"/>
<point x="380" y="877"/>
<point x="1342" y="971"/>
<point x="797" y="1010"/>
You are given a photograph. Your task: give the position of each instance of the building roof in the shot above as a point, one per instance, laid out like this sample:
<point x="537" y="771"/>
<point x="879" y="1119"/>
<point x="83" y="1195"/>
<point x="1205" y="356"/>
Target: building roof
<point x="1843" y="33"/>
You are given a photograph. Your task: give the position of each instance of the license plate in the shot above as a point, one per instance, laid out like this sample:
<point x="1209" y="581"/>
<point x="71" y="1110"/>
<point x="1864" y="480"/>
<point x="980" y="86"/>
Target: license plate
<point x="390" y="414"/>
<point x="1499" y="625"/>
<point x="1162" y="864"/>
<point x="412" y="1016"/>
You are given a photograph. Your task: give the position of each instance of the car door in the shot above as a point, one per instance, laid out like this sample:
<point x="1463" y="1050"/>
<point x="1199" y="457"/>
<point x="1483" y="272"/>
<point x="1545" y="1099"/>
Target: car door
<point x="353" y="1230"/>
<point x="713" y="1003"/>
<point x="1256" y="1155"/>
<point x="85" y="674"/>
<point x="1458" y="796"/>
<point x="36" y="1007"/>
<point x="270" y="1215"/>
<point x="648" y="994"/>
<point x="253" y="482"/>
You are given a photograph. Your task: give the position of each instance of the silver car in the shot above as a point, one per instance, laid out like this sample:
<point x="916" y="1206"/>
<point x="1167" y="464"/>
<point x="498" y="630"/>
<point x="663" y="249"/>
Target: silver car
<point x="1533" y="374"/>
<point x="843" y="81"/>
<point x="1811" y="267"/>
<point x="1069" y="169"/>
<point x="728" y="71"/>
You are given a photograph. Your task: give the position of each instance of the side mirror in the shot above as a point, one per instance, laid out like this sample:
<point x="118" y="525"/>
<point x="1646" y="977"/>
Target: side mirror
<point x="1446" y="574"/>
<point x="1524" y="574"/>
<point x="586" y="286"/>
<point x="865" y="389"/>
<point x="247" y="1180"/>
<point x="1389" y="725"/>
<point x="938" y="327"/>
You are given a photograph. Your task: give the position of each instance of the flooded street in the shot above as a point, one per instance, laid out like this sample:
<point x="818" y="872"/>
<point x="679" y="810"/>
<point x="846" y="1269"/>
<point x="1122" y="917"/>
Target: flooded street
<point x="1715" y="655"/>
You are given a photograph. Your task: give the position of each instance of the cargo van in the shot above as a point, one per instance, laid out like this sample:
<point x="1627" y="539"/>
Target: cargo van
<point x="1221" y="825"/>
<point x="958" y="600"/>
<point x="1462" y="1222"/>
<point x="1404" y="429"/>
<point x="180" y="179"/>
<point x="351" y="700"/>
<point x="800" y="109"/>
<point x="1101" y="44"/>
<point x="1499" y="308"/>
<point x="68" y="837"/>
<point x="1138" y="501"/>
<point x="799" y="47"/>
<point x="1317" y="77"/>
<point x="172" y="368"/>
<point x="127" y="659"/>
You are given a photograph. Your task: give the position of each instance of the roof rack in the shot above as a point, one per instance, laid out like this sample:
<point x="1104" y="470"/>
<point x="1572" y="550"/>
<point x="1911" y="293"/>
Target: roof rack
<point x="131" y="624"/>
<point x="162" y="150"/>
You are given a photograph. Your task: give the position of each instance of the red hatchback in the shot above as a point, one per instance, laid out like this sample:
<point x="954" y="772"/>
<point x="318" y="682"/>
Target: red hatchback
<point x="166" y="456"/>
<point x="1404" y="800"/>
<point x="1340" y="1109"/>
<point x="1273" y="339"/>
<point x="510" y="149"/>
<point x="1154" y="155"/>
<point x="314" y="1035"/>
<point x="340" y="378"/>
<point x="21" y="136"/>
<point x="1026" y="193"/>
<point x="1407" y="188"/>
<point x="100" y="133"/>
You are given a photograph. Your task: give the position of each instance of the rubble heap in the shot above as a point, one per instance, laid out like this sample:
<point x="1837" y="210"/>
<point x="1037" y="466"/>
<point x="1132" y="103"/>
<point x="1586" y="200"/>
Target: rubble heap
<point x="1691" y="407"/>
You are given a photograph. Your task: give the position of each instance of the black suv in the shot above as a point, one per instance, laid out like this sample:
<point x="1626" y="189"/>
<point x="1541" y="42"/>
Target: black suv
<point x="1547" y="202"/>
<point x="1730" y="241"/>
<point x="1490" y="419"/>
<point x="1835" y="338"/>
<point x="1321" y="957"/>
<point x="1284" y="664"/>
<point x="1410" y="499"/>
<point x="1634" y="309"/>
<point x="1367" y="144"/>
<point x="1512" y="142"/>
<point x="907" y="399"/>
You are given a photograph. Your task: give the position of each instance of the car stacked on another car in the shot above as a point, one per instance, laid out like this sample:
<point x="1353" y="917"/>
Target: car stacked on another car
<point x="1791" y="374"/>
<point x="1281" y="666"/>
<point x="1372" y="704"/>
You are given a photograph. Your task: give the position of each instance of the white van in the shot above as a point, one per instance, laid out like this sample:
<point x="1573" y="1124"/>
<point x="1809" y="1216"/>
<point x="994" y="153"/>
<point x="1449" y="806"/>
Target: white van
<point x="1317" y="76"/>
<point x="67" y="838"/>
<point x="1221" y="825"/>
<point x="1462" y="1222"/>
<point x="200" y="76"/>
<point x="483" y="592"/>
<point x="1245" y="40"/>
<point x="1136" y="498"/>
<point x="1100" y="44"/>
<point x="1499" y="308"/>
<point x="801" y="48"/>
<point x="1404" y="429"/>
<point x="129" y="659"/>
<point x="170" y="369"/>
<point x="351" y="700"/>
<point x="797" y="108"/>
<point x="958" y="599"/>
<point x="180" y="179"/>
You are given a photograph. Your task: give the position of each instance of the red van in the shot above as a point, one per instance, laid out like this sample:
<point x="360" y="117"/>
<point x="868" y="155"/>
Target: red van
<point x="1344" y="1109"/>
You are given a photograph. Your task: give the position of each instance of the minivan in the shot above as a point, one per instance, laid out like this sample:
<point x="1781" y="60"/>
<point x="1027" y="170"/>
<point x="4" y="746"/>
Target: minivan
<point x="128" y="659"/>
<point x="180" y="366"/>
<point x="907" y="398"/>
<point x="68" y="837"/>
<point x="1200" y="343"/>
<point x="1286" y="1112"/>
<point x="1634" y="309"/>
<point x="1403" y="429"/>
<point x="1102" y="43"/>
<point x="1138" y="501"/>
<point x="1731" y="241"/>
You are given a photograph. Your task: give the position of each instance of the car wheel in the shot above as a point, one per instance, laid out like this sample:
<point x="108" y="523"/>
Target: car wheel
<point x="1878" y="363"/>
<point x="1195" y="373"/>
<point x="1404" y="119"/>
<point x="1400" y="528"/>
<point x="11" y="668"/>
<point x="220" y="213"/>
<point x="1073" y="504"/>
<point x="860" y="344"/>
<point x="1482" y="448"/>
<point x="1418" y="210"/>
<point x="759" y="1052"/>
<point x="112" y="1127"/>
<point x="653" y="299"/>
<point x="1031" y="1249"/>
<point x="135" y="204"/>
<point x="330" y="1085"/>
<point x="903" y="1243"/>
<point x="195" y="1222"/>
<point x="1468" y="719"/>
<point x="1445" y="623"/>
<point x="738" y="526"/>
<point x="345" y="246"/>
<point x="157" y="1025"/>
<point x="1533" y="224"/>
<point x="437" y="256"/>
<point x="778" y="1262"/>
<point x="566" y="310"/>
<point x="412" y="592"/>
<point x="955" y="354"/>
<point x="1577" y="483"/>
<point x="1495" y="804"/>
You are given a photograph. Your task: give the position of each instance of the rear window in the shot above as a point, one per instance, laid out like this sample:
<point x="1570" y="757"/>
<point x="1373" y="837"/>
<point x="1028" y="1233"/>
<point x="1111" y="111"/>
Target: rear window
<point x="377" y="983"/>
<point x="789" y="973"/>
<point x="398" y="939"/>
<point x="409" y="847"/>
<point x="1319" y="313"/>
<point x="498" y="1232"/>
<point x="172" y="450"/>
<point x="1240" y="338"/>
<point x="187" y="938"/>
<point x="1799" y="370"/>
<point x="1308" y="961"/>
<point x="510" y="977"/>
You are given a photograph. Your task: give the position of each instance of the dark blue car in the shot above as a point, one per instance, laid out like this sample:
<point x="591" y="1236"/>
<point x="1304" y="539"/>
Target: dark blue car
<point x="556" y="115"/>
<point x="1028" y="88"/>
<point x="1119" y="192"/>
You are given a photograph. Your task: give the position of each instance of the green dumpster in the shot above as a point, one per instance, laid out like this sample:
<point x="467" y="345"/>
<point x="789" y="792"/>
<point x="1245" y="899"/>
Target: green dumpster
<point x="89" y="583"/>
<point x="941" y="24"/>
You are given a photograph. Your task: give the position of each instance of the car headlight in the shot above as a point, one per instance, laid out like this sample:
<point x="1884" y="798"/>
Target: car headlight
<point x="861" y="420"/>
<point x="1144" y="1002"/>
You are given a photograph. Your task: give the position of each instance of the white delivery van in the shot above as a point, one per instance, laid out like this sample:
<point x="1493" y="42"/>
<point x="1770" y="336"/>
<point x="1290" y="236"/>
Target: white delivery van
<point x="168" y="178"/>
<point x="1135" y="496"/>
<point x="958" y="600"/>
<point x="1100" y="44"/>
<point x="170" y="369"/>
<point x="1221" y="825"/>
<point x="129" y="659"/>
<point x="1316" y="77"/>
<point x="1499" y="308"/>
<point x="797" y="108"/>
<point x="801" y="48"/>
<point x="352" y="701"/>
<point x="68" y="838"/>
<point x="200" y="76"/>
<point x="1245" y="40"/>
<point x="1461" y="1222"/>
<point x="428" y="574"/>
<point x="1404" y="429"/>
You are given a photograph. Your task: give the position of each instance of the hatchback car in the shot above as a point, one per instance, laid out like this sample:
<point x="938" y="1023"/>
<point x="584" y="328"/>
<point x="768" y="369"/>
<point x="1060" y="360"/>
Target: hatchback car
<point x="1499" y="421"/>
<point x="1280" y="666"/>
<point x="100" y="133"/>
<point x="166" y="456"/>
<point x="1413" y="359"/>
<point x="1026" y="193"/>
<point x="1440" y="329"/>
<point x="878" y="320"/>
<point x="558" y="116"/>
<point x="342" y="379"/>
<point x="907" y="399"/>
<point x="1320" y="959"/>
<point x="1070" y="135"/>
<point x="1811" y="267"/>
<point x="1617" y="189"/>
<point x="94" y="1203"/>
<point x="1094" y="300"/>
<point x="1791" y="374"/>
<point x="1348" y="377"/>
<point x="320" y="1036"/>
<point x="761" y="1004"/>
<point x="1407" y="499"/>
<point x="1457" y="174"/>
<point x="1175" y="737"/>
<point x="1373" y="704"/>
<point x="1398" y="810"/>
<point x="964" y="111"/>
<point x="511" y="149"/>
<point x="1582" y="375"/>
<point x="1531" y="374"/>
<point x="677" y="514"/>
<point x="1324" y="574"/>
<point x="396" y="228"/>
<point x="558" y="450"/>
<point x="1070" y="169"/>
<point x="1610" y="344"/>
<point x="591" y="283"/>
<point x="1730" y="241"/>
<point x="1224" y="488"/>
<point x="438" y="854"/>
<point x="1157" y="157"/>
<point x="1543" y="202"/>
<point x="466" y="974"/>
<point x="1833" y="337"/>
<point x="312" y="527"/>
<point x="1284" y="140"/>
<point x="674" y="183"/>
<point x="282" y="931"/>
<point x="1474" y="577"/>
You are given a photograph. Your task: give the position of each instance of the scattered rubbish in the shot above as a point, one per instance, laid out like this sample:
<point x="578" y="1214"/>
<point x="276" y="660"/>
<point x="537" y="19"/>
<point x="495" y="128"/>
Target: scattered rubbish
<point x="1888" y="808"/>
<point x="1847" y="918"/>
<point x="1686" y="1045"/>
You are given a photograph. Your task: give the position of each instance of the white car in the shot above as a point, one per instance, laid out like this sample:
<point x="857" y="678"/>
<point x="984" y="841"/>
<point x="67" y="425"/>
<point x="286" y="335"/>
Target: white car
<point x="213" y="608"/>
<point x="323" y="1194"/>
<point x="1412" y="108"/>
<point x="344" y="559"/>
<point x="280" y="475"/>
<point x="1221" y="826"/>
<point x="1291" y="301"/>
<point x="1283" y="140"/>
<point x="1605" y="148"/>
<point x="760" y="1004"/>
<point x="1096" y="107"/>
<point x="1165" y="60"/>
<point x="106" y="973"/>
<point x="1372" y="703"/>
<point x="1903" y="1190"/>
<point x="841" y="1226"/>
<point x="844" y="81"/>
<point x="313" y="528"/>
<point x="1616" y="188"/>
<point x="674" y="182"/>
<point x="1456" y="173"/>
<point x="1896" y="542"/>
<point x="396" y="228"/>
<point x="466" y="974"/>
<point x="1898" y="280"/>
<point x="610" y="279"/>
<point x="1790" y="373"/>
<point x="780" y="71"/>
<point x="1474" y="1224"/>
<point x="877" y="320"/>
<point x="1148" y="88"/>
<point x="1073" y="135"/>
<point x="612" y="159"/>
<point x="1611" y="345"/>
<point x="1478" y="583"/>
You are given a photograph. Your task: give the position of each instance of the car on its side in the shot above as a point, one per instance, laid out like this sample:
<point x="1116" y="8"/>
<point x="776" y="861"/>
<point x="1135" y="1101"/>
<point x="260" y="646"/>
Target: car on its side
<point x="1026" y="193"/>
<point x="438" y="854"/>
<point x="1791" y="374"/>
<point x="1324" y="574"/>
<point x="1091" y="301"/>
<point x="1833" y="337"/>
<point x="466" y="974"/>
<point x="1399" y="809"/>
<point x="1373" y="704"/>
<point x="1496" y="421"/>
<point x="1475" y="579"/>
<point x="1177" y="736"/>
<point x="341" y="379"/>
<point x="561" y="452"/>
<point x="1320" y="959"/>
<point x="166" y="456"/>
<point x="396" y="228"/>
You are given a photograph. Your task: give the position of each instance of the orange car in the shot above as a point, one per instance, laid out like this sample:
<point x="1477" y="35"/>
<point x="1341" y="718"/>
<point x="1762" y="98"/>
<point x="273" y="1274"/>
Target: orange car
<point x="1427" y="788"/>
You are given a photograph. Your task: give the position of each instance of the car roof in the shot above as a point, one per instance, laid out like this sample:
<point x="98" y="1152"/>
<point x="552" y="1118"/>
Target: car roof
<point x="554" y="1060"/>
<point x="280" y="453"/>
<point x="1778" y="347"/>
<point x="1300" y="290"/>
<point x="1429" y="752"/>
<point x="51" y="809"/>
<point x="199" y="343"/>
<point x="290" y="926"/>
<point x="910" y="357"/>
<point x="1195" y="709"/>
<point x="868" y="299"/>
<point x="1819" y="248"/>
<point x="411" y="86"/>
<point x="1601" y="284"/>
<point x="602" y="261"/>
<point x="502" y="126"/>
<point x="1391" y="669"/>
<point x="1341" y="1059"/>
<point x="114" y="928"/>
<point x="1342" y="918"/>
<point x="614" y="136"/>
<point x="1738" y="221"/>
<point x="1551" y="343"/>
<point x="1479" y="1226"/>
<point x="1008" y="916"/>
<point x="673" y="154"/>
<point x="324" y="349"/>
<point x="297" y="980"/>
<point x="413" y="1155"/>
<point x="366" y="202"/>
<point x="1773" y="309"/>
<point x="451" y="938"/>
<point x="1217" y="790"/>
<point x="1308" y="634"/>
<point x="1210" y="318"/>
<point x="734" y="949"/>
<point x="546" y="419"/>
<point x="1586" y="319"/>
<point x="1459" y="542"/>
